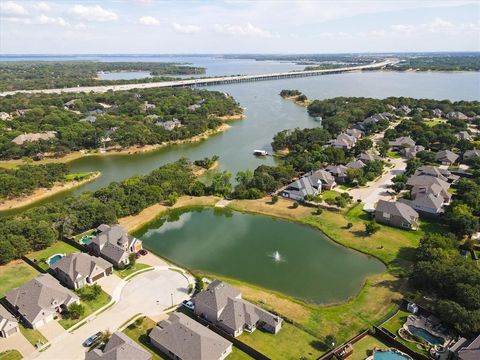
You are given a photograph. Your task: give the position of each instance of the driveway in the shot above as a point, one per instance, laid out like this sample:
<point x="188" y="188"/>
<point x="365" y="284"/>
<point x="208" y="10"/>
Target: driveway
<point x="378" y="190"/>
<point x="17" y="342"/>
<point x="149" y="293"/>
<point x="51" y="330"/>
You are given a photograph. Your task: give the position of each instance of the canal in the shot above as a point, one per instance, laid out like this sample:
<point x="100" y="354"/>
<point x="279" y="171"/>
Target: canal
<point x="293" y="259"/>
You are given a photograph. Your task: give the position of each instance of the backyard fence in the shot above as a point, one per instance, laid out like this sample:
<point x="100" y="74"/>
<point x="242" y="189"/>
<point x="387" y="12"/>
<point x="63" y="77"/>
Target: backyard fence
<point x="34" y="265"/>
<point x="389" y="340"/>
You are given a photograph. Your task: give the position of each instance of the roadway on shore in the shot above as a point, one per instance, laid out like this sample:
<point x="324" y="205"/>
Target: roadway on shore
<point x="207" y="81"/>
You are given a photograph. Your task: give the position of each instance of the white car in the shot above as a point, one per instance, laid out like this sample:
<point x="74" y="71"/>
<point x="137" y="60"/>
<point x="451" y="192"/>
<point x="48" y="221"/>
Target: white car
<point x="188" y="304"/>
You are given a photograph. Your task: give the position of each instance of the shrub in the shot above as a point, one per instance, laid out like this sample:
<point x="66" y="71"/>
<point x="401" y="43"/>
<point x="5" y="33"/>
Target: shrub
<point x="295" y="205"/>
<point x="371" y="227"/>
<point x="274" y="199"/>
<point x="349" y="225"/>
<point x="75" y="311"/>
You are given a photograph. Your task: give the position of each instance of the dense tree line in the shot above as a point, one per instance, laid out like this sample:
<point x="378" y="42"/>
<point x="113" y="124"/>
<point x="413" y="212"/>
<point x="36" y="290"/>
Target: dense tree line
<point x="26" y="75"/>
<point x="452" y="279"/>
<point x="39" y="227"/>
<point x="123" y="119"/>
<point x="451" y="62"/>
<point x="289" y="93"/>
<point x="26" y="178"/>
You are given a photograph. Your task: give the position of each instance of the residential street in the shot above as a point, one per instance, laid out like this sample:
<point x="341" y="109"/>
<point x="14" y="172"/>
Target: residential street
<point x="377" y="190"/>
<point x="148" y="293"/>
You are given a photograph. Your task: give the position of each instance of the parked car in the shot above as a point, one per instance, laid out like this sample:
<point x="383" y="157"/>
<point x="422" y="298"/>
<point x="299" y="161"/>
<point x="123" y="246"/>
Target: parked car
<point x="188" y="304"/>
<point x="137" y="255"/>
<point x="89" y="342"/>
<point x="143" y="252"/>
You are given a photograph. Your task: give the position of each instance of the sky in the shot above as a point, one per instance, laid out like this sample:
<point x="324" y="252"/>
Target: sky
<point x="237" y="26"/>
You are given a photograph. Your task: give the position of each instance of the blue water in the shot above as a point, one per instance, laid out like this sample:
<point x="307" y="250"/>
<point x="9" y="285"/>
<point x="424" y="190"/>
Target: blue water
<point x="424" y="334"/>
<point x="389" y="355"/>
<point x="54" y="259"/>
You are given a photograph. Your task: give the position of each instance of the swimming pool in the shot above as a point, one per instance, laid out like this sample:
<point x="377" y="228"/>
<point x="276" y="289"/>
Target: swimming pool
<point x="390" y="355"/>
<point x="86" y="240"/>
<point x="54" y="259"/>
<point x="427" y="336"/>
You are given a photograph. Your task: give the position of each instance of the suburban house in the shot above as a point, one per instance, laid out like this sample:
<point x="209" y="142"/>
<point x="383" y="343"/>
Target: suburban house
<point x="356" y="164"/>
<point x="339" y="172"/>
<point x="470" y="154"/>
<point x="344" y="141"/>
<point x="8" y="323"/>
<point x="223" y="306"/>
<point x="69" y="104"/>
<point x="300" y="188"/>
<point x="396" y="214"/>
<point x="425" y="184"/>
<point x="412" y="151"/>
<point x="21" y="139"/>
<point x="147" y="106"/>
<point x="170" y="124"/>
<point x="437" y="113"/>
<point x="324" y="177"/>
<point x="426" y="204"/>
<point x="405" y="109"/>
<point x="401" y="143"/>
<point x="79" y="269"/>
<point x="114" y="244"/>
<point x="367" y="157"/>
<point x="181" y="337"/>
<point x="91" y="119"/>
<point x="446" y="157"/>
<point x="5" y="116"/>
<point x="356" y="133"/>
<point x="40" y="299"/>
<point x="456" y="115"/>
<point x="194" y="107"/>
<point x="442" y="174"/>
<point x="470" y="351"/>
<point x="119" y="347"/>
<point x="464" y="135"/>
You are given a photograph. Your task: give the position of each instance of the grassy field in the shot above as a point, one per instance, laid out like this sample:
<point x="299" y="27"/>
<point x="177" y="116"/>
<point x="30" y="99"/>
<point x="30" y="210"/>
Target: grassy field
<point x="15" y="274"/>
<point x="289" y="343"/>
<point x="41" y="257"/>
<point x="363" y="348"/>
<point x="124" y="273"/>
<point x="90" y="307"/>
<point x="33" y="336"/>
<point x="435" y="121"/>
<point x="10" y="355"/>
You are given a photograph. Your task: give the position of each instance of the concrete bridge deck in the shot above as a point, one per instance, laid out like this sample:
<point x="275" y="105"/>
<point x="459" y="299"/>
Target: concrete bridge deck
<point x="207" y="81"/>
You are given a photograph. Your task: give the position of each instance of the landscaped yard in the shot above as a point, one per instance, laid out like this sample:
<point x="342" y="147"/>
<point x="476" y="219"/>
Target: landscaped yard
<point x="363" y="348"/>
<point x="15" y="274"/>
<point x="124" y="273"/>
<point x="10" y="355"/>
<point x="90" y="307"/>
<point x="393" y="155"/>
<point x="33" y="336"/>
<point x="138" y="331"/>
<point x="329" y="194"/>
<point x="289" y="343"/>
<point x="238" y="354"/>
<point x="41" y="257"/>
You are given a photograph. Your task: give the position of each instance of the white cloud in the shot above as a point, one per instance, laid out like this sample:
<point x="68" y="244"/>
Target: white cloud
<point x="185" y="29"/>
<point x="148" y="20"/>
<point x="47" y="20"/>
<point x="10" y="8"/>
<point x="247" y="29"/>
<point x="42" y="6"/>
<point x="93" y="13"/>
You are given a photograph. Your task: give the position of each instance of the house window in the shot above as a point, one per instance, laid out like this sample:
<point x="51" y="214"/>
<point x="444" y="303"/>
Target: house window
<point x="386" y="215"/>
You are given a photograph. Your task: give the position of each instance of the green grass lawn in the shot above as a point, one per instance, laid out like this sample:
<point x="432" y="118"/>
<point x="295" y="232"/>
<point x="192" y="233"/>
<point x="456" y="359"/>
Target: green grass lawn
<point x="124" y="273"/>
<point x="289" y="343"/>
<point x="15" y="274"/>
<point x="10" y="355"/>
<point x="79" y="237"/>
<point x="434" y="122"/>
<point x="393" y="155"/>
<point x="78" y="176"/>
<point x="139" y="333"/>
<point x="363" y="348"/>
<point x="329" y="194"/>
<point x="238" y="354"/>
<point x="33" y="336"/>
<point x="90" y="307"/>
<point x="41" y="257"/>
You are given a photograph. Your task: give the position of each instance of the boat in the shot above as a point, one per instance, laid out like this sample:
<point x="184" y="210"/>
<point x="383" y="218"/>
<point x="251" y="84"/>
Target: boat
<point x="260" y="153"/>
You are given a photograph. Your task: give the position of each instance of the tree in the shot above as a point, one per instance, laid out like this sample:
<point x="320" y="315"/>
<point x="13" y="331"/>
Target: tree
<point x="362" y="145"/>
<point x="132" y="259"/>
<point x="221" y="184"/>
<point x="462" y="221"/>
<point x="75" y="311"/>
<point x="371" y="227"/>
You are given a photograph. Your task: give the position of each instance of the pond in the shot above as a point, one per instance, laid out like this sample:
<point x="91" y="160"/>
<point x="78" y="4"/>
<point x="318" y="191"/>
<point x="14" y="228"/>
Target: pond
<point x="293" y="259"/>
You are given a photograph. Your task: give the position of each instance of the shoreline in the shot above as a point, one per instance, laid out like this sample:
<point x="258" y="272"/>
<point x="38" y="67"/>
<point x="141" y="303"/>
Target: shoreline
<point x="131" y="150"/>
<point x="42" y="193"/>
<point x="199" y="171"/>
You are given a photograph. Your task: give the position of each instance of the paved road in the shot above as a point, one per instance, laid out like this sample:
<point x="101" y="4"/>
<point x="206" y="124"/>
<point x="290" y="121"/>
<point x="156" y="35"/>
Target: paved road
<point x="377" y="190"/>
<point x="149" y="293"/>
<point x="205" y="81"/>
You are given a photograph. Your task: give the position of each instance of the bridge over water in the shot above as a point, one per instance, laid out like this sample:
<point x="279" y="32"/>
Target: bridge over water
<point x="209" y="81"/>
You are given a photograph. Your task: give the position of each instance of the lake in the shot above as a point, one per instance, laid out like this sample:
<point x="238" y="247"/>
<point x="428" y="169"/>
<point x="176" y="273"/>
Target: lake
<point x="267" y="113"/>
<point x="242" y="246"/>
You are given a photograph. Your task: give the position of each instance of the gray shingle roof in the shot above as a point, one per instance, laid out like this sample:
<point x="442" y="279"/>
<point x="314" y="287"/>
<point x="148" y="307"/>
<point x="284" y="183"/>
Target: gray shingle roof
<point x="446" y="155"/>
<point x="39" y="297"/>
<point x="357" y="164"/>
<point x="188" y="339"/>
<point x="323" y="176"/>
<point x="81" y="265"/>
<point x="401" y="141"/>
<point x="427" y="180"/>
<point x="7" y="320"/>
<point x="216" y="295"/>
<point x="397" y="208"/>
<point x="471" y="153"/>
<point x="113" y="241"/>
<point x="472" y="351"/>
<point x="119" y="347"/>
